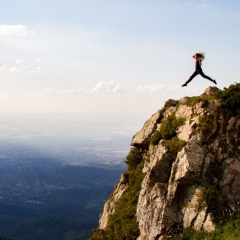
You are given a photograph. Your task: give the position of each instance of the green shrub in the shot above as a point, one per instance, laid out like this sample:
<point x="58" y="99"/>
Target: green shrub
<point x="168" y="129"/>
<point x="206" y="123"/>
<point x="133" y="158"/>
<point x="156" y="137"/>
<point x="169" y="126"/>
<point x="231" y="97"/>
<point x="174" y="145"/>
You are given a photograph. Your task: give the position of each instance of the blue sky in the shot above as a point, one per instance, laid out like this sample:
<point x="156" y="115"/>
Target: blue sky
<point x="116" y="57"/>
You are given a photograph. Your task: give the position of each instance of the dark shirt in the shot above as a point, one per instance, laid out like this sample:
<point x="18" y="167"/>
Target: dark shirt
<point x="198" y="65"/>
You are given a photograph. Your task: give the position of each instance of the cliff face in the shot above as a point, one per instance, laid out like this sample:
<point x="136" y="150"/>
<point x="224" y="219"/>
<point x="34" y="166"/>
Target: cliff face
<point x="191" y="165"/>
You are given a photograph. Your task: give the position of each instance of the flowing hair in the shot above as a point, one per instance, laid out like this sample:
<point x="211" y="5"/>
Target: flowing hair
<point x="200" y="55"/>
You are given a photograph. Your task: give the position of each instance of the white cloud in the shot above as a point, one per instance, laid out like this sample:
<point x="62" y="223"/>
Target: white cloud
<point x="203" y="4"/>
<point x="19" y="68"/>
<point x="206" y="5"/>
<point x="13" y="30"/>
<point x="18" y="61"/>
<point x="2" y="68"/>
<point x="12" y="69"/>
<point x="102" y="87"/>
<point x="36" y="70"/>
<point x="38" y="60"/>
<point x="157" y="87"/>
<point x="106" y="87"/>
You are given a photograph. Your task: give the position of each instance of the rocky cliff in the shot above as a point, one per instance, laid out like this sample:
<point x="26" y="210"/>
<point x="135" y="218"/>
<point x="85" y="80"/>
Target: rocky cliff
<point x="188" y="160"/>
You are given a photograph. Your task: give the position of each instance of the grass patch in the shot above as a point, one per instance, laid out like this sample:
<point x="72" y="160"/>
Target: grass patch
<point x="195" y="100"/>
<point x="228" y="231"/>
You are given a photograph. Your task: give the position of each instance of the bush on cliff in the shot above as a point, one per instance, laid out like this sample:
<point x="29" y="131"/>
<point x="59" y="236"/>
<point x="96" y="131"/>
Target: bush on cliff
<point x="168" y="129"/>
<point x="231" y="97"/>
<point x="133" y="158"/>
<point x="206" y="123"/>
<point x="174" y="145"/>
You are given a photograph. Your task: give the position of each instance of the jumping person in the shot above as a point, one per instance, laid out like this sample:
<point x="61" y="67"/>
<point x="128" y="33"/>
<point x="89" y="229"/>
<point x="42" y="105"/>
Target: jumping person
<point x="199" y="58"/>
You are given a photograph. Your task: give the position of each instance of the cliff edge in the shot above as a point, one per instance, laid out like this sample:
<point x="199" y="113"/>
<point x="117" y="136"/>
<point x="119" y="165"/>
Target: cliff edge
<point x="183" y="170"/>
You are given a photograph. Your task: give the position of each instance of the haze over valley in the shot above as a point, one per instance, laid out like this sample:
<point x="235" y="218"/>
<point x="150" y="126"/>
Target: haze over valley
<point x="67" y="138"/>
<point x="58" y="169"/>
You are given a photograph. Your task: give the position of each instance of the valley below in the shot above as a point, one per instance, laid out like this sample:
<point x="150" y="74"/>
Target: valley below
<point x="56" y="173"/>
<point x="39" y="196"/>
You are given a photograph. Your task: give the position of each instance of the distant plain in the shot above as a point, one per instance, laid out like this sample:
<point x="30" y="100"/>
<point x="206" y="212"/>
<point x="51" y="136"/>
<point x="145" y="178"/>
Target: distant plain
<point x="58" y="170"/>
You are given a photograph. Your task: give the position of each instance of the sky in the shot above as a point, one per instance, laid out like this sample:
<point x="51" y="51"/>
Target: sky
<point x="121" y="58"/>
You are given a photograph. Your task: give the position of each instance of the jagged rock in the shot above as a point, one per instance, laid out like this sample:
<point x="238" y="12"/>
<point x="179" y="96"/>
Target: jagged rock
<point x="210" y="91"/>
<point x="183" y="100"/>
<point x="174" y="189"/>
<point x="230" y="182"/>
<point x="142" y="137"/>
<point x="110" y="203"/>
<point x="170" y="102"/>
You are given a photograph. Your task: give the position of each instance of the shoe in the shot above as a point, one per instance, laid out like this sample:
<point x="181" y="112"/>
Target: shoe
<point x="184" y="85"/>
<point x="215" y="82"/>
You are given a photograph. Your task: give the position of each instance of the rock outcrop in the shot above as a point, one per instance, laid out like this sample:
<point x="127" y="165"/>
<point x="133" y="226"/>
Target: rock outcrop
<point x="193" y="186"/>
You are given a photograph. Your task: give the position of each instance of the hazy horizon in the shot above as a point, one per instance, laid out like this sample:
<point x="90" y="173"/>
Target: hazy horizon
<point x="68" y="138"/>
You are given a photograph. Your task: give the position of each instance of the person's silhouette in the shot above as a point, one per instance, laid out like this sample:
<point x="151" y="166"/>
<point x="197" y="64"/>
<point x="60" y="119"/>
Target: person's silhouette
<point x="199" y="58"/>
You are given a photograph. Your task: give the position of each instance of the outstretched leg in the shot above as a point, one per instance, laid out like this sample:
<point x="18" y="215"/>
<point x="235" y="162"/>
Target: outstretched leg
<point x="204" y="76"/>
<point x="190" y="79"/>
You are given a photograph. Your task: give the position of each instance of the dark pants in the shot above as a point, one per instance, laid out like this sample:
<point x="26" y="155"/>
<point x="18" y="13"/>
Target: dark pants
<point x="196" y="73"/>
